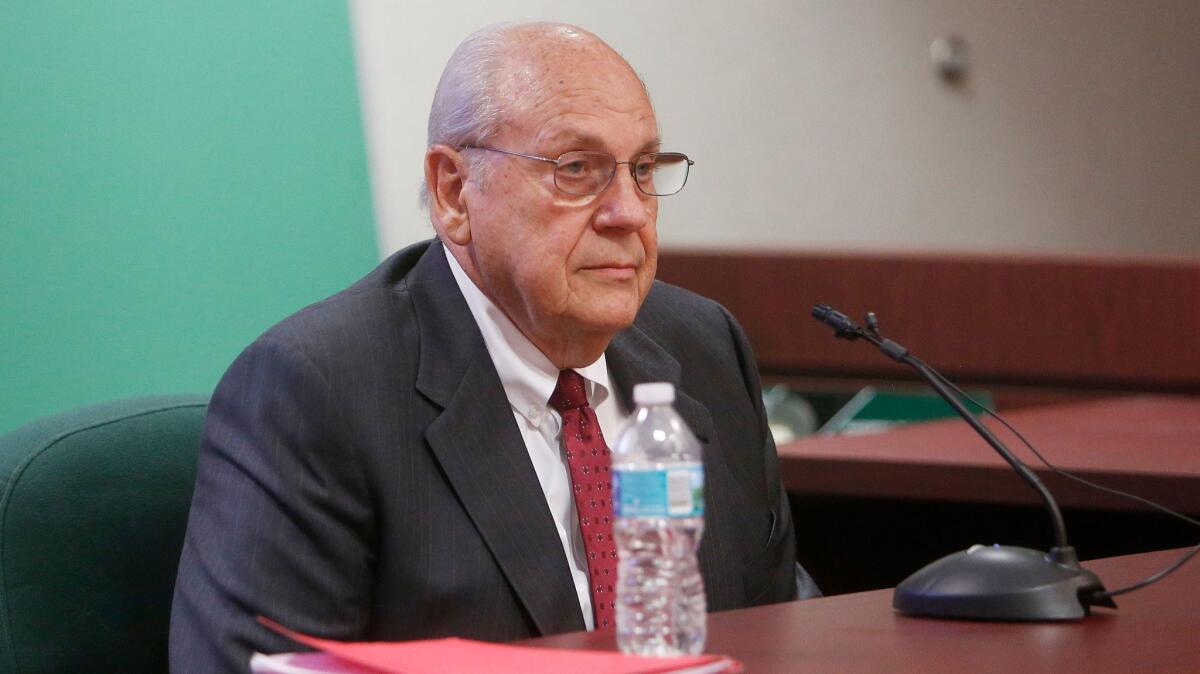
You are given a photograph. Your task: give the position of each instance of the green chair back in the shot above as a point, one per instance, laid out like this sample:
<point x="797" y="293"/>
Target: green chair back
<point x="93" y="507"/>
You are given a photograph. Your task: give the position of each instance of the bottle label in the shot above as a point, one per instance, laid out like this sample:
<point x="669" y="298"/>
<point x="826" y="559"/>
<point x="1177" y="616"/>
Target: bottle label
<point x="677" y="491"/>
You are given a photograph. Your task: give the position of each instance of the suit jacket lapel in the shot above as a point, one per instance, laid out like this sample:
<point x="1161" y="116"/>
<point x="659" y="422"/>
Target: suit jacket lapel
<point x="634" y="358"/>
<point x="476" y="441"/>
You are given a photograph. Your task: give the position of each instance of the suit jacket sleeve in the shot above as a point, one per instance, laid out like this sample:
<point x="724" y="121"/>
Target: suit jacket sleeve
<point x="281" y="521"/>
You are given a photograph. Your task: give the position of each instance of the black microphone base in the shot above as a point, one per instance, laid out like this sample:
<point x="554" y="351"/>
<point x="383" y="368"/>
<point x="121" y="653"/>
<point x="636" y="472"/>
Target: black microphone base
<point x="1001" y="582"/>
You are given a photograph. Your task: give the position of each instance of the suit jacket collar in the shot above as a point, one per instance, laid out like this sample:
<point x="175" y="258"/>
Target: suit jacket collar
<point x="634" y="358"/>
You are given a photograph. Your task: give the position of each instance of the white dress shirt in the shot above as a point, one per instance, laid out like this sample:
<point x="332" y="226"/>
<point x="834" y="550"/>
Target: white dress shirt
<point x="529" y="378"/>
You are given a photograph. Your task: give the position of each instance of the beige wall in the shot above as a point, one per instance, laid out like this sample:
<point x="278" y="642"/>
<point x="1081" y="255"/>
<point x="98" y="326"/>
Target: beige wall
<point x="822" y="124"/>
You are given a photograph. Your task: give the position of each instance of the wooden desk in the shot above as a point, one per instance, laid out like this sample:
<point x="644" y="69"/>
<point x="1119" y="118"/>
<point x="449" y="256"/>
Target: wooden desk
<point x="1148" y="445"/>
<point x="1154" y="630"/>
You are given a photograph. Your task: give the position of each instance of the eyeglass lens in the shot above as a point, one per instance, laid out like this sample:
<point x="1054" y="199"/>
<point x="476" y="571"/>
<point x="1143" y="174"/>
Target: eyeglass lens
<point x="584" y="172"/>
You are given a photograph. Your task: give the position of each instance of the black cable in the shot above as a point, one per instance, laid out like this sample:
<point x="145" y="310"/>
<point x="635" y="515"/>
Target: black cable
<point x="1117" y="492"/>
<point x="1060" y="471"/>
<point x="937" y="381"/>
<point x="1152" y="579"/>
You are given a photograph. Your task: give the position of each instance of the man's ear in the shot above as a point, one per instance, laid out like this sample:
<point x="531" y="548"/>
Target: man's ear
<point x="445" y="174"/>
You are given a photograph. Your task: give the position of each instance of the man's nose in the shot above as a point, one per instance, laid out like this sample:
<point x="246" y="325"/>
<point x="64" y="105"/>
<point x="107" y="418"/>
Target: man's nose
<point x="622" y="204"/>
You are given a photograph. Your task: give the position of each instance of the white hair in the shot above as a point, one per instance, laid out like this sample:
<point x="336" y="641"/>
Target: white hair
<point x="466" y="108"/>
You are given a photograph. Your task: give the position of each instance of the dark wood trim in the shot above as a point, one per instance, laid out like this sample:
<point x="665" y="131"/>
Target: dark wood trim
<point x="1037" y="321"/>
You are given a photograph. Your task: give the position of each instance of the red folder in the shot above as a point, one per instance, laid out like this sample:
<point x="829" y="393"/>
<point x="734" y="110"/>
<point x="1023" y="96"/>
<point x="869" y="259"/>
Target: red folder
<point x="455" y="656"/>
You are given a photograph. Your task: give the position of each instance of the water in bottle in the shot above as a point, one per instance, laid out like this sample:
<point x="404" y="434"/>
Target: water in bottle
<point x="658" y="499"/>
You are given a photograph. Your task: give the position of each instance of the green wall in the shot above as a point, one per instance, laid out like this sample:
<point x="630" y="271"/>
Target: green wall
<point x="174" y="178"/>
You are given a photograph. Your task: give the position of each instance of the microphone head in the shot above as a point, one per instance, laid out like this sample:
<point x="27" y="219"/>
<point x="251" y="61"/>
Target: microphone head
<point x="833" y="318"/>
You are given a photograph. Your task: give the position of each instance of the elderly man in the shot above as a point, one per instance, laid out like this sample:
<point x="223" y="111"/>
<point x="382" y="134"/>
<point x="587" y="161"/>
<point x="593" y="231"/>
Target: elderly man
<point x="387" y="464"/>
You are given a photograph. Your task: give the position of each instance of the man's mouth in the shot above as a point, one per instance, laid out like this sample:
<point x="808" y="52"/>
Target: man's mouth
<point x="613" y="270"/>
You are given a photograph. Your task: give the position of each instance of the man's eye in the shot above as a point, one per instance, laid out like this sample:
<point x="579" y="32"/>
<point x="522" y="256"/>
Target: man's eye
<point x="574" y="167"/>
<point x="644" y="169"/>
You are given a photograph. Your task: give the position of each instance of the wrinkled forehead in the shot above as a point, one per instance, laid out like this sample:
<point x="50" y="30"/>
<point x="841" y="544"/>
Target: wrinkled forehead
<point x="541" y="67"/>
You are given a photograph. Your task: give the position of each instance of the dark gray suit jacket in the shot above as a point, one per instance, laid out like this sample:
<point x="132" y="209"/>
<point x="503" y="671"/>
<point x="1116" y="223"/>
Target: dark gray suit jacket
<point x="361" y="475"/>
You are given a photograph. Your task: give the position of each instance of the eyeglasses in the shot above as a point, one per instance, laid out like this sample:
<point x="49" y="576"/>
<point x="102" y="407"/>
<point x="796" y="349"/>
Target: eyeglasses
<point x="585" y="172"/>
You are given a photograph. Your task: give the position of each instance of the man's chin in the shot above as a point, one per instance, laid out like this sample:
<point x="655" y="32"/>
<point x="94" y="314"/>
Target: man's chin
<point x="608" y="319"/>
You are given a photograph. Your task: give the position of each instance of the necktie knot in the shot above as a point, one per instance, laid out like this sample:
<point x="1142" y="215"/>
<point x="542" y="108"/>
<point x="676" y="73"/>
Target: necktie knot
<point x="569" y="393"/>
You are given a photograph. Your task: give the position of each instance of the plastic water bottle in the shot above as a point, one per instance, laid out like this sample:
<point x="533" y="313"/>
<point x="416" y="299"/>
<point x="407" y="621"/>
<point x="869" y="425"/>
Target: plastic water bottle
<point x="658" y="500"/>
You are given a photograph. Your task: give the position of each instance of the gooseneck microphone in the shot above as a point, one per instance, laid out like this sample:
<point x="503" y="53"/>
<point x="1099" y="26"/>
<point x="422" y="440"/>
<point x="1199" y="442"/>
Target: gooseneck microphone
<point x="996" y="582"/>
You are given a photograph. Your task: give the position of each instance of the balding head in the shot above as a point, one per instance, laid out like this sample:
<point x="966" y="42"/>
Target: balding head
<point x="539" y="57"/>
<point x="505" y="68"/>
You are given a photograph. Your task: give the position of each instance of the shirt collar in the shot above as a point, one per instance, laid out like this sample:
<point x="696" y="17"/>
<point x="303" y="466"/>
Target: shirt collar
<point x="527" y="375"/>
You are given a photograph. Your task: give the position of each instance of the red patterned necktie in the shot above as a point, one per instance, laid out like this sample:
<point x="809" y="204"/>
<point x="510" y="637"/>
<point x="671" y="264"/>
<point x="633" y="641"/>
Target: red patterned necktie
<point x="591" y="479"/>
